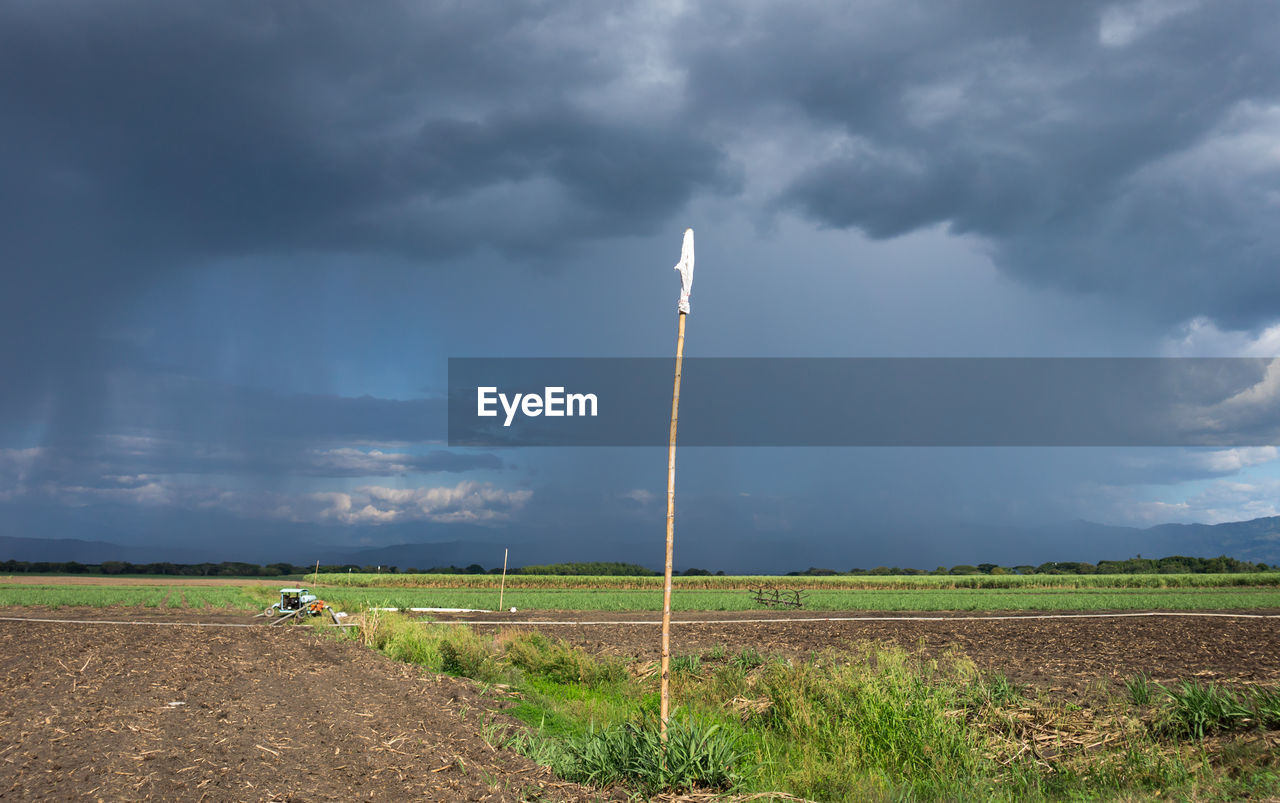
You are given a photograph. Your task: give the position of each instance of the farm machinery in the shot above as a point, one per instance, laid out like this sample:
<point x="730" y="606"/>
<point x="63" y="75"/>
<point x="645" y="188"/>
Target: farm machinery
<point x="297" y="604"/>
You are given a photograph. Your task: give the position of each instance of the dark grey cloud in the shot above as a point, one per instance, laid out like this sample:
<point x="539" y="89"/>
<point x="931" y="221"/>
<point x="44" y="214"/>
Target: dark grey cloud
<point x="144" y="138"/>
<point x="189" y="130"/>
<point x="1099" y="147"/>
<point x="1076" y="137"/>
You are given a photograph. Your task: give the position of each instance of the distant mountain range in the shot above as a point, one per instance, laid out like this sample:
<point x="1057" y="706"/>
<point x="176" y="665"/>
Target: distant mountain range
<point x="74" y="549"/>
<point x="227" y="538"/>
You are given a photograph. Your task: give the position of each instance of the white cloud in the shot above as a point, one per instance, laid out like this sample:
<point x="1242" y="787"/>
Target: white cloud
<point x="1198" y="462"/>
<point x="1121" y="24"/>
<point x="464" y="502"/>
<point x="1219" y="501"/>
<point x="1227" y="460"/>
<point x="1200" y="337"/>
<point x="354" y="461"/>
<point x="372" y="504"/>
<point x="1233" y="501"/>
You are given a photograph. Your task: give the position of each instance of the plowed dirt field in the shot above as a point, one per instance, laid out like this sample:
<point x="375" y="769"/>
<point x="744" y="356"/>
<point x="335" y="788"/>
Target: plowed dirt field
<point x="118" y="712"/>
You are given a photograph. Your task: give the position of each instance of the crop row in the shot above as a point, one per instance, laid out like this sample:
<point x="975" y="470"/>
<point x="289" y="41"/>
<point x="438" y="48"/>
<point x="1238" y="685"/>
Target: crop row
<point x="57" y="596"/>
<point x="684" y="599"/>
<point x="743" y="582"/>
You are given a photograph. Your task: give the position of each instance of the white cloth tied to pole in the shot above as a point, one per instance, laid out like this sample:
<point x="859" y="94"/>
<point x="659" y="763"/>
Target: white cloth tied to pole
<point x="685" y="266"/>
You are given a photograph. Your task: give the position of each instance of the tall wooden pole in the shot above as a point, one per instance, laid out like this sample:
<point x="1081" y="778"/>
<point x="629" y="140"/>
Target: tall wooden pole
<point x="502" y="588"/>
<point x="671" y="523"/>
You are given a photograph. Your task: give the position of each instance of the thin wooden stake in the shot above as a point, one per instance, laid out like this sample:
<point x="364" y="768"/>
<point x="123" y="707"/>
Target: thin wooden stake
<point x="502" y="588"/>
<point x="671" y="522"/>
<point x="316" y="579"/>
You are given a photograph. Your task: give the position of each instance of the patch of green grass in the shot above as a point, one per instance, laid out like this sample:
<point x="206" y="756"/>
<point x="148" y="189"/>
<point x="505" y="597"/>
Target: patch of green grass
<point x="880" y="712"/>
<point x="686" y="665"/>
<point x="992" y="689"/>
<point x="696" y="755"/>
<point x="1197" y="709"/>
<point x="1266" y="707"/>
<point x="746" y="660"/>
<point x="557" y="661"/>
<point x="1140" y="688"/>
<point x="1138" y="771"/>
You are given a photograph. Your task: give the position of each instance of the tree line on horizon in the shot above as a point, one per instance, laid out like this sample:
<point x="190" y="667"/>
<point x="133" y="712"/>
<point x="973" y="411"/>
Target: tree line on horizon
<point x="1173" y="564"/>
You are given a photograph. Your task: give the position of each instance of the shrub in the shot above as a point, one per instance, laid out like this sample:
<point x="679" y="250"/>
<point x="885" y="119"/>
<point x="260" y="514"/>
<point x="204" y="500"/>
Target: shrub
<point x="468" y="657"/>
<point x="560" y="662"/>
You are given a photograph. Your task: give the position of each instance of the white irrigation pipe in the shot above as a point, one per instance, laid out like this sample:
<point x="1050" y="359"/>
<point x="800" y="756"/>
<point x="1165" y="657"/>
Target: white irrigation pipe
<point x="858" y="619"/>
<point x="436" y="610"/>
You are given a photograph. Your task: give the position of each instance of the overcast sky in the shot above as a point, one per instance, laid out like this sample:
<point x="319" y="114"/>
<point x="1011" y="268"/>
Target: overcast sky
<point x="242" y="239"/>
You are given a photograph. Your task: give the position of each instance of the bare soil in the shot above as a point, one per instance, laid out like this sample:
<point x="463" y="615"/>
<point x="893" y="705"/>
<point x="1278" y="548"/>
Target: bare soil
<point x="118" y="712"/>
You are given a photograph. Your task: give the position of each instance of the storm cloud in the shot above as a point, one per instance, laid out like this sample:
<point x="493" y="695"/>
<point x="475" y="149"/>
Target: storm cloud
<point x="1113" y="148"/>
<point x="188" y="131"/>
<point x="1125" y="149"/>
<point x="144" y="139"/>
<point x="243" y="238"/>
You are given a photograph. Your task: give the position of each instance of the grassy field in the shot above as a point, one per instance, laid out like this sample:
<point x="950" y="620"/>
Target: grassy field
<point x="255" y="597"/>
<point x="734" y="583"/>
<point x="57" y="596"/>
